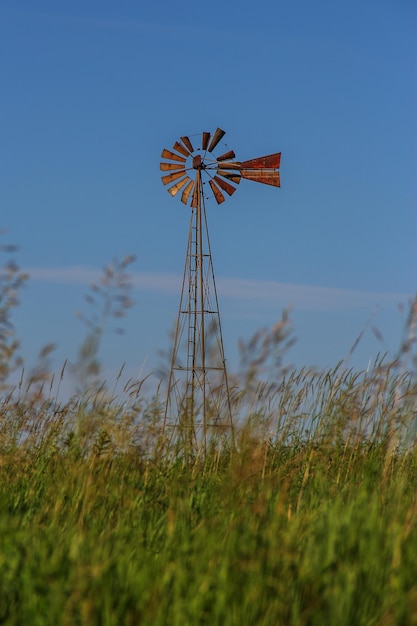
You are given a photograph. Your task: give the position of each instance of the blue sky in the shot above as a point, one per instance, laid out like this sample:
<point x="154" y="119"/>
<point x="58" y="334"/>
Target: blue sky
<point x="93" y="91"/>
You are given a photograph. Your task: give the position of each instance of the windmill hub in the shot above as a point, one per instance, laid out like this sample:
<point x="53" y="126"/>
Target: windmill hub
<point x="198" y="163"/>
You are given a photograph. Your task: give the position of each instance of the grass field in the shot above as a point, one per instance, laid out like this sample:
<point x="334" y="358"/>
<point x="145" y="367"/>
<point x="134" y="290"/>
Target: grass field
<point x="100" y="524"/>
<point x="309" y="519"/>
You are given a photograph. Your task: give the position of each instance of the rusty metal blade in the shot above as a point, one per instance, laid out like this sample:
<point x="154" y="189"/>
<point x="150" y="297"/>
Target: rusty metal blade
<point x="233" y="176"/>
<point x="180" y="148"/>
<point x="187" y="143"/>
<point x="186" y="193"/>
<point x="169" y="178"/>
<point x="218" y="135"/>
<point x="175" y="188"/>
<point x="204" y="141"/>
<point x="167" y="154"/>
<point x="171" y="166"/>
<point x="227" y="187"/>
<point x="268" y="177"/>
<point x="230" y="165"/>
<point x="226" y="155"/>
<point x="217" y="193"/>
<point x="272" y="161"/>
<point x="194" y="200"/>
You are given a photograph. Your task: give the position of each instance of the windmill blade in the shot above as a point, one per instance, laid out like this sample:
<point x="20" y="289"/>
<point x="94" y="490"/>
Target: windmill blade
<point x="204" y="141"/>
<point x="180" y="148"/>
<point x="186" y="193"/>
<point x="167" y="154"/>
<point x="231" y="165"/>
<point x="268" y="177"/>
<point x="227" y="187"/>
<point x="169" y="178"/>
<point x="187" y="143"/>
<point x="176" y="188"/>
<point x="233" y="176"/>
<point x="226" y="155"/>
<point x="218" y="135"/>
<point x="165" y="167"/>
<point x="216" y="192"/>
<point x="272" y="161"/>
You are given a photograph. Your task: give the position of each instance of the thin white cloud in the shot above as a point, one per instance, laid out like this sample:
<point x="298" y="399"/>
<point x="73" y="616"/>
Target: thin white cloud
<point x="305" y="297"/>
<point x="76" y="274"/>
<point x="259" y="293"/>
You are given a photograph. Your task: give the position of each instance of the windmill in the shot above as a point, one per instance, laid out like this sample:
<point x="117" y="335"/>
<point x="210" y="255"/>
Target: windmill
<point x="198" y="398"/>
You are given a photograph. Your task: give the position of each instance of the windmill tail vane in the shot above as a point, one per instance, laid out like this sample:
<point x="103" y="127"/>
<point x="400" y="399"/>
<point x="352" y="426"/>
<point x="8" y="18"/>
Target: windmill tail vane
<point x="198" y="399"/>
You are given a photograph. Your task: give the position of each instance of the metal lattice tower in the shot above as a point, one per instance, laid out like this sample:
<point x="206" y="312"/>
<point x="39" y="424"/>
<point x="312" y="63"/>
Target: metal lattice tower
<point x="198" y="398"/>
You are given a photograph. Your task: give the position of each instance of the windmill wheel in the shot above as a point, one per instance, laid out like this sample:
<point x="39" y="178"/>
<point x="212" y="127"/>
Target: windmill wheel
<point x="189" y="160"/>
<point x="186" y="162"/>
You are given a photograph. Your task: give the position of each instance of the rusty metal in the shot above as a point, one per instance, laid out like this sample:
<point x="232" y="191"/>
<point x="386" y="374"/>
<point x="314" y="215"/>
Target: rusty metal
<point x="197" y="161"/>
<point x="198" y="398"/>
<point x="230" y="165"/>
<point x="218" y="135"/>
<point x="204" y="141"/>
<point x="227" y="155"/>
<point x="268" y="177"/>
<point x="216" y="192"/>
<point x="233" y="176"/>
<point x="261" y="169"/>
<point x="180" y="148"/>
<point x="167" y="154"/>
<point x="272" y="161"/>
<point x="176" y="188"/>
<point x="227" y="187"/>
<point x="187" y="143"/>
<point x="165" y="167"/>
<point x="169" y="178"/>
<point x="187" y="191"/>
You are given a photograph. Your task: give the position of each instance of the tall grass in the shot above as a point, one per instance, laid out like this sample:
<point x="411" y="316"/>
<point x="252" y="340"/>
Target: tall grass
<point x="309" y="519"/>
